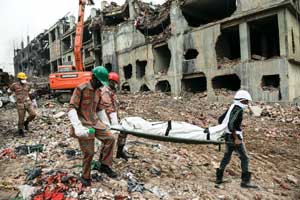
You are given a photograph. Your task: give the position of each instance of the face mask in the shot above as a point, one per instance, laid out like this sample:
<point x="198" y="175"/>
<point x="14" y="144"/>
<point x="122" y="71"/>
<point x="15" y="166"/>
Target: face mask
<point x="23" y="81"/>
<point x="238" y="103"/>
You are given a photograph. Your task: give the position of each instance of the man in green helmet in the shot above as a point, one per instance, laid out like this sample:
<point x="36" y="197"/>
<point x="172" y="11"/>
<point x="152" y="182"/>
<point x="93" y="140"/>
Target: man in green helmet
<point x="82" y="114"/>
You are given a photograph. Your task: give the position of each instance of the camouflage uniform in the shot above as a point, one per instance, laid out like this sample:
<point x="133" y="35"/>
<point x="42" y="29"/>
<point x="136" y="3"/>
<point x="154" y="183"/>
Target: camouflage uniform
<point x="108" y="103"/>
<point x="23" y="102"/>
<point x="85" y="101"/>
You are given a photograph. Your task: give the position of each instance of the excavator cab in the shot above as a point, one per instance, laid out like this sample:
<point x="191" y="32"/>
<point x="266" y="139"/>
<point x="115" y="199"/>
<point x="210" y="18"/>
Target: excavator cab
<point x="66" y="68"/>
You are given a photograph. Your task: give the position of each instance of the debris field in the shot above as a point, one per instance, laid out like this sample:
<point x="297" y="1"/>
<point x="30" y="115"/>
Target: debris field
<point x="46" y="163"/>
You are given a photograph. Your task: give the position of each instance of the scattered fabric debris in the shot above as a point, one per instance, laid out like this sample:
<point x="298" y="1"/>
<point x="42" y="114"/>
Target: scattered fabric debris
<point x="27" y="149"/>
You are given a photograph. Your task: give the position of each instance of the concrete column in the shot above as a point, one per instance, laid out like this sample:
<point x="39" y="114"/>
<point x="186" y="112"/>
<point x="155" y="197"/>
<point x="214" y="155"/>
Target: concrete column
<point x="72" y="21"/>
<point x="245" y="43"/>
<point x="132" y="13"/>
<point x="283" y="39"/>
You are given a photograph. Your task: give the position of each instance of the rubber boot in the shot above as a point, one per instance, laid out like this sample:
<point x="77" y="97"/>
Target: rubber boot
<point x="21" y="132"/>
<point x="85" y="182"/>
<point x="108" y="171"/>
<point x="26" y="125"/>
<point x="219" y="175"/>
<point x="121" y="153"/>
<point x="246" y="178"/>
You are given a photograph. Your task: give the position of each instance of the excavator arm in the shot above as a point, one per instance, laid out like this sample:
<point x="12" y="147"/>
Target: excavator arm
<point x="79" y="34"/>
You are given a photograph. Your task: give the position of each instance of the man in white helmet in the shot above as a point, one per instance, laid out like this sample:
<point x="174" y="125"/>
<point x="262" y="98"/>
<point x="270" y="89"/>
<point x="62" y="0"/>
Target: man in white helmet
<point x="233" y="117"/>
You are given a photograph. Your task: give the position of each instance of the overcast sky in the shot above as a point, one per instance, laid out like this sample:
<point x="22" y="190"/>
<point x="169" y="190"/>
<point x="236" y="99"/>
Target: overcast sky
<point x="20" y="18"/>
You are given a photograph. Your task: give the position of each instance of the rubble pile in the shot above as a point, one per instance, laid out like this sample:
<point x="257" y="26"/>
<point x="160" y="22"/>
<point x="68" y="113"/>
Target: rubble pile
<point x="154" y="21"/>
<point x="224" y="92"/>
<point x="226" y="62"/>
<point x="47" y="162"/>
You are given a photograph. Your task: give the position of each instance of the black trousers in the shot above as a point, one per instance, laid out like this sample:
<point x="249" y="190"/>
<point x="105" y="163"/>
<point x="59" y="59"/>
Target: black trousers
<point x="230" y="147"/>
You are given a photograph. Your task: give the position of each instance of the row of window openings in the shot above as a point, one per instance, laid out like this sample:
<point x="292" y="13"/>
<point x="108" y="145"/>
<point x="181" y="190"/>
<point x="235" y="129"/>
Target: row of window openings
<point x="140" y="69"/>
<point x="264" y="42"/>
<point x="229" y="82"/>
<point x="87" y="35"/>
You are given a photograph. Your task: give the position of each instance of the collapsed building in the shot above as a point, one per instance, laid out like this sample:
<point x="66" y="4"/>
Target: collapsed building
<point x="190" y="45"/>
<point x="34" y="58"/>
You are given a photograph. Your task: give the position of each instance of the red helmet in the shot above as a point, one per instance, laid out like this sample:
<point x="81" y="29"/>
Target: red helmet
<point x="114" y="76"/>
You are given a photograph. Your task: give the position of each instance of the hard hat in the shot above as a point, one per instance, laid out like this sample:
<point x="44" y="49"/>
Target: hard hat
<point x="242" y="95"/>
<point x="114" y="76"/>
<point x="22" y="76"/>
<point x="101" y="74"/>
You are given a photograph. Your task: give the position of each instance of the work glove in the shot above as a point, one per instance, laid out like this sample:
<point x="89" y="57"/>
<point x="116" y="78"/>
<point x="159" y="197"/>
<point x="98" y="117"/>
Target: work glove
<point x="103" y="117"/>
<point x="80" y="130"/>
<point x="34" y="103"/>
<point x="12" y="98"/>
<point x="114" y="118"/>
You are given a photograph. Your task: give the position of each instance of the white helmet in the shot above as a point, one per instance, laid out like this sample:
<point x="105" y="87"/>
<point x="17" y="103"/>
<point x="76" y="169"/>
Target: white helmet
<point x="242" y="94"/>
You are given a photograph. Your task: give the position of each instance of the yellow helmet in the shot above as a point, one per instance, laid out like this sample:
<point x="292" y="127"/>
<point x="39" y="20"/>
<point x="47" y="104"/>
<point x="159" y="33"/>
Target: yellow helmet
<point x="22" y="76"/>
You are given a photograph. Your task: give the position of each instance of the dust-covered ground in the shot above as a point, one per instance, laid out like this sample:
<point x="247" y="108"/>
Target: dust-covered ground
<point x="160" y="170"/>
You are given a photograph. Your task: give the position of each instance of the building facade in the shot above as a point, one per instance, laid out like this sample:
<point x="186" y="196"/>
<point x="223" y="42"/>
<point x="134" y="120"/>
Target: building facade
<point x="207" y="46"/>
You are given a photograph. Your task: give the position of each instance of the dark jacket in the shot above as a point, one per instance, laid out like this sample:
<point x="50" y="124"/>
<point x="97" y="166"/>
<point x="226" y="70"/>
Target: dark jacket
<point x="235" y="119"/>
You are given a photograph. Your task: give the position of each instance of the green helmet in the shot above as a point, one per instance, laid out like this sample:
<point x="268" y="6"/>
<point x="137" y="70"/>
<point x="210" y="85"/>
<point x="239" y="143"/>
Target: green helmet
<point x="101" y="74"/>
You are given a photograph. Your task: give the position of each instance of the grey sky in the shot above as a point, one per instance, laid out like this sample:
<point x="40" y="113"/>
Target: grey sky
<point x="20" y="18"/>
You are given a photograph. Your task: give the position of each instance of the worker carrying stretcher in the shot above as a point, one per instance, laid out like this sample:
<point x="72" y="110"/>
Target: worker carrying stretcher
<point x="82" y="114"/>
<point x="232" y="120"/>
<point x="108" y="111"/>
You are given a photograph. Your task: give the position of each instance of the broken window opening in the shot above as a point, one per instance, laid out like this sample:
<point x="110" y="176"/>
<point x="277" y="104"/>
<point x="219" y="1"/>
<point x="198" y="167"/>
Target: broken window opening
<point x="264" y="38"/>
<point x="128" y="71"/>
<point x="228" y="82"/>
<point x="197" y="13"/>
<point x="87" y="53"/>
<point x="293" y="42"/>
<point x="228" y="46"/>
<point x="162" y="59"/>
<point x="125" y="87"/>
<point x="59" y="61"/>
<point x="159" y="27"/>
<point x="163" y="86"/>
<point x="108" y="66"/>
<point x="191" y="54"/>
<point x="195" y="84"/>
<point x="87" y="35"/>
<point x="69" y="58"/>
<point x="66" y="44"/>
<point x="54" y="66"/>
<point x="144" y="88"/>
<point x="140" y="68"/>
<point x="118" y="18"/>
<point x="270" y="82"/>
<point x="52" y="35"/>
<point x="97" y="37"/>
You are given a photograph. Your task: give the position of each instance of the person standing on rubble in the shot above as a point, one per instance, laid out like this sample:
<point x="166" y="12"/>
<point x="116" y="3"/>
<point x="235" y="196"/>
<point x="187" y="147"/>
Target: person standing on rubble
<point x="233" y="117"/>
<point x="108" y="113"/>
<point x="25" y="102"/>
<point x="83" y="117"/>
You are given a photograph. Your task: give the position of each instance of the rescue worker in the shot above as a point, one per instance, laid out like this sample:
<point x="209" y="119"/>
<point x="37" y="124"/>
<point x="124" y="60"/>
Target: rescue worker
<point x="83" y="117"/>
<point x="107" y="111"/>
<point x="24" y="102"/>
<point x="233" y="117"/>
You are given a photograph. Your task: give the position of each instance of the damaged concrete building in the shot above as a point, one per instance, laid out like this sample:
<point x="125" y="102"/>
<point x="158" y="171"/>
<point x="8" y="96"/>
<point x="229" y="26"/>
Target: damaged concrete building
<point x="206" y="45"/>
<point x="192" y="45"/>
<point x="34" y="58"/>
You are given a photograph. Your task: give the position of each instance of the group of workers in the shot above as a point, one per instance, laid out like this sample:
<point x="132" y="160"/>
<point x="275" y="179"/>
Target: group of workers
<point x="92" y="110"/>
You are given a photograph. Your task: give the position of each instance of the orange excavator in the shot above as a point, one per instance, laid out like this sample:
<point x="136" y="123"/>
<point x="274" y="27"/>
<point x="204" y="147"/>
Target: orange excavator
<point x="68" y="77"/>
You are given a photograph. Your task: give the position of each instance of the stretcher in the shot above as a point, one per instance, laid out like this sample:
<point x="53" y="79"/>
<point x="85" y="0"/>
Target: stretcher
<point x="169" y="131"/>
